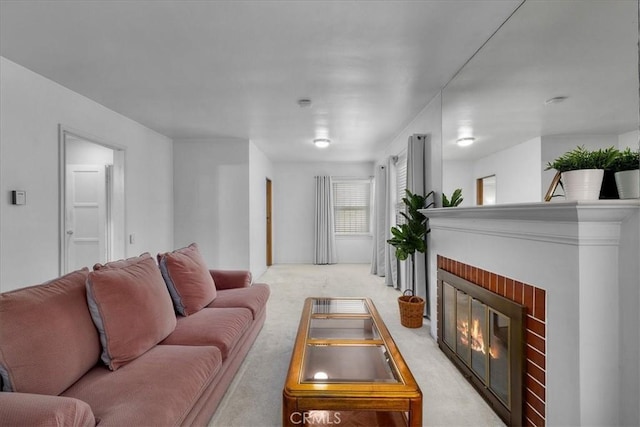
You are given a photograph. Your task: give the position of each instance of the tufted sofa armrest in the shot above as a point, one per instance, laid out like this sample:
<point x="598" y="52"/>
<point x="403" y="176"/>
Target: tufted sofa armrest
<point x="230" y="279"/>
<point x="25" y="409"/>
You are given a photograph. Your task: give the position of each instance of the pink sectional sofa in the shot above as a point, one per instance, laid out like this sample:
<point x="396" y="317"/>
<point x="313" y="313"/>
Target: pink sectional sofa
<point x="106" y="347"/>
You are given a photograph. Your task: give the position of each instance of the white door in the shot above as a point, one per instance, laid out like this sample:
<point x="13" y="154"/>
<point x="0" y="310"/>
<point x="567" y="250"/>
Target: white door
<point x="85" y="216"/>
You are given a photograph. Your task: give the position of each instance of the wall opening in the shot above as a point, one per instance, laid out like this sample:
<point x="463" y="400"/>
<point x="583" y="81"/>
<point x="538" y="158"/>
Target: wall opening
<point x="92" y="215"/>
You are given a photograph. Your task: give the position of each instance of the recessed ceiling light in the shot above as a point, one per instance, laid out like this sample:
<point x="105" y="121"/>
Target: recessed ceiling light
<point x="322" y="142"/>
<point x="304" y="103"/>
<point x="555" y="100"/>
<point x="464" y="142"/>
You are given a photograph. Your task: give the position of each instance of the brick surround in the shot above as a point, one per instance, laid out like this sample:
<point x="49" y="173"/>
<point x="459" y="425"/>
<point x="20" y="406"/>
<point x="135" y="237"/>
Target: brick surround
<point x="534" y="299"/>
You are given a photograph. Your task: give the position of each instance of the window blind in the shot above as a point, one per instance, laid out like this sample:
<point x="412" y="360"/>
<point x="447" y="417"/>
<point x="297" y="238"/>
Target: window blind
<point x="352" y="206"/>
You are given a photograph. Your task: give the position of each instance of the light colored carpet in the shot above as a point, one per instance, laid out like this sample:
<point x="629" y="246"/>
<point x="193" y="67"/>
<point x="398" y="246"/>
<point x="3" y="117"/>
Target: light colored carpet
<point x="255" y="396"/>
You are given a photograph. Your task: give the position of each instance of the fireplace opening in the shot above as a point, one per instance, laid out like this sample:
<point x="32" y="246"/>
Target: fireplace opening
<point x="483" y="334"/>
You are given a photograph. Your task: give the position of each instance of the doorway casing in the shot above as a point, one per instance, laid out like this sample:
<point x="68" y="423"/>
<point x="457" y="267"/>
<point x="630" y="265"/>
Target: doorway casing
<point x="116" y="235"/>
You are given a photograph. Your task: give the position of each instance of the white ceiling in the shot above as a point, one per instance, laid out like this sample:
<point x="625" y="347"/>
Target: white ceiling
<point x="584" y="50"/>
<point x="204" y="69"/>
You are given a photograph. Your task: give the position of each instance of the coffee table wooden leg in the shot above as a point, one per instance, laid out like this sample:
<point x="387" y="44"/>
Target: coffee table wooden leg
<point x="289" y="412"/>
<point x="415" y="413"/>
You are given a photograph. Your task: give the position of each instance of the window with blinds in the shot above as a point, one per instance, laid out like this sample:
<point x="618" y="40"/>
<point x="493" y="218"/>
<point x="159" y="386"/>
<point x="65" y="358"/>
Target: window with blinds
<point x="401" y="185"/>
<point x="352" y="206"/>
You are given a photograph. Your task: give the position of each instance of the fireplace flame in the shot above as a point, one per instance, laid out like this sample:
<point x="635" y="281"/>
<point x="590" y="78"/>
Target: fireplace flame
<point x="494" y="350"/>
<point x="473" y="337"/>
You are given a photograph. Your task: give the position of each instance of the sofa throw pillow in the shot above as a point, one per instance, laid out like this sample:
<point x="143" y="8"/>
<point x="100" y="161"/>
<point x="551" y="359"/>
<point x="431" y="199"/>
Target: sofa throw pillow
<point x="130" y="307"/>
<point x="47" y="338"/>
<point x="188" y="279"/>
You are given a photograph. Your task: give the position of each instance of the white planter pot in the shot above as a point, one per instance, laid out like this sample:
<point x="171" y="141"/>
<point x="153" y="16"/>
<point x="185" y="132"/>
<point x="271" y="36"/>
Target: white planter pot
<point x="583" y="184"/>
<point x="628" y="183"/>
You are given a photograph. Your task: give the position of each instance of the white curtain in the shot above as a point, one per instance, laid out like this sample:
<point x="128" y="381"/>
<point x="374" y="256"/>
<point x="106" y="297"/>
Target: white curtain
<point x="383" y="262"/>
<point x="324" y="247"/>
<point x="416" y="184"/>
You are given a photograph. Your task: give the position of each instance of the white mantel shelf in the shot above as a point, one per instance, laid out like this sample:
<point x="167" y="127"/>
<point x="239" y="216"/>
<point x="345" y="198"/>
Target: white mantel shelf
<point x="573" y="223"/>
<point x="598" y="210"/>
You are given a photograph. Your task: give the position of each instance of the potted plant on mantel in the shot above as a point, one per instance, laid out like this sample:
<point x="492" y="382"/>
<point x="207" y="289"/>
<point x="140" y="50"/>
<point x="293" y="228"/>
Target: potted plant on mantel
<point x="456" y="199"/>
<point x="627" y="173"/>
<point x="408" y="238"/>
<point x="582" y="171"/>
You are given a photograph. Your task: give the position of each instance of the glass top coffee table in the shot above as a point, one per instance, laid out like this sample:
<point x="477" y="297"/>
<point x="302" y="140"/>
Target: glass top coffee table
<point x="344" y="366"/>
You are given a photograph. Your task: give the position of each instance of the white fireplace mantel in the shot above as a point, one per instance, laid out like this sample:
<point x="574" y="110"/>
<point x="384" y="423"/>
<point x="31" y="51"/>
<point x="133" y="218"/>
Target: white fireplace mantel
<point x="607" y="210"/>
<point x="585" y="255"/>
<point x="552" y="222"/>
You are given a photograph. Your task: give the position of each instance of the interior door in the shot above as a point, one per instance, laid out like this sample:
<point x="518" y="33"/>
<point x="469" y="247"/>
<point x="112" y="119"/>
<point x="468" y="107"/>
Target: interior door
<point x="269" y="227"/>
<point x="85" y="216"/>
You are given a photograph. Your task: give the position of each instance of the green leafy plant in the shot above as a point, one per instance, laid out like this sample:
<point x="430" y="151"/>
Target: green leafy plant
<point x="456" y="199"/>
<point x="626" y="160"/>
<point x="581" y="158"/>
<point x="409" y="237"/>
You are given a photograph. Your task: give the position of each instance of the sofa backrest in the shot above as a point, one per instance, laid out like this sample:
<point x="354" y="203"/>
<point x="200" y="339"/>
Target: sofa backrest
<point x="47" y="338"/>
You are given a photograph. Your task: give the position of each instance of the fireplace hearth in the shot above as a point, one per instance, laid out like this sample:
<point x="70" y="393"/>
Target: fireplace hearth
<point x="483" y="334"/>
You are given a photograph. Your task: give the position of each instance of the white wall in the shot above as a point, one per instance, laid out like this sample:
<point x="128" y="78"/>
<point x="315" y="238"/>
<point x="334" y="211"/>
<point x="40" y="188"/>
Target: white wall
<point x="629" y="272"/>
<point x="459" y="174"/>
<point x="517" y="170"/>
<point x="31" y="108"/>
<point x="260" y="168"/>
<point x="88" y="153"/>
<point x="293" y="196"/>
<point x="629" y="140"/>
<point x="211" y="199"/>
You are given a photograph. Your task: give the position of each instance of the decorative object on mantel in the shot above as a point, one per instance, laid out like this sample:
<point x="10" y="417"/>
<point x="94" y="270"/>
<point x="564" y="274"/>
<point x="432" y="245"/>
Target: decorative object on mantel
<point x="627" y="173"/>
<point x="408" y="238"/>
<point x="456" y="199"/>
<point x="551" y="192"/>
<point x="582" y="171"/>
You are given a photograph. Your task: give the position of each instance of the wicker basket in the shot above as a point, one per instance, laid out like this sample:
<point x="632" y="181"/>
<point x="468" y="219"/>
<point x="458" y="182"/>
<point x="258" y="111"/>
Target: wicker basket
<point x="411" y="310"/>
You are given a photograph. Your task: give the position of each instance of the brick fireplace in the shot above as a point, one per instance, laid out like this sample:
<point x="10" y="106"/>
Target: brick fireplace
<point x="574" y="266"/>
<point x="534" y="300"/>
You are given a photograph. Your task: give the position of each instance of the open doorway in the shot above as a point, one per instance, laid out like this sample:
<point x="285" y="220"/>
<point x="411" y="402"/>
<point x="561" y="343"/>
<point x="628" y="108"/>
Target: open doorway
<point x="486" y="190"/>
<point x="91" y="201"/>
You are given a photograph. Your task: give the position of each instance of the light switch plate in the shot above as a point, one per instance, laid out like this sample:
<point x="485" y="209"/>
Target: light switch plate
<point x="18" y="197"/>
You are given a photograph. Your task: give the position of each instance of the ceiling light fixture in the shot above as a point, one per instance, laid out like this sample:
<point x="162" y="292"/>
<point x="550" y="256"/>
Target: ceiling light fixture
<point x="304" y="103"/>
<point x="322" y="142"/>
<point x="465" y="142"/>
<point x="555" y="100"/>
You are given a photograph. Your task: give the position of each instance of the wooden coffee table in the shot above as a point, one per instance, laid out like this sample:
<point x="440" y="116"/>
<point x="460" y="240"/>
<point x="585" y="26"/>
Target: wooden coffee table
<point x="345" y="366"/>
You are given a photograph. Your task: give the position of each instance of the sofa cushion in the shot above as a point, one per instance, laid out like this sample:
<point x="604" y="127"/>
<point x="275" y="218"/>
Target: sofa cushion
<point x="254" y="298"/>
<point x="131" y="308"/>
<point x="157" y="389"/>
<point x="188" y="279"/>
<point x="219" y="327"/>
<point x="27" y="409"/>
<point x="228" y="279"/>
<point x="47" y="338"/>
